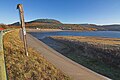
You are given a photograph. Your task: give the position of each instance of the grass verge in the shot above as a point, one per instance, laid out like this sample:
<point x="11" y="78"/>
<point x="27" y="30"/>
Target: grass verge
<point x="21" y="67"/>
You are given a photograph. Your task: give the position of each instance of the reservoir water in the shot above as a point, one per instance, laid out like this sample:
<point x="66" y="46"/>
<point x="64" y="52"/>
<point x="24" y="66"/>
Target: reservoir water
<point x="110" y="34"/>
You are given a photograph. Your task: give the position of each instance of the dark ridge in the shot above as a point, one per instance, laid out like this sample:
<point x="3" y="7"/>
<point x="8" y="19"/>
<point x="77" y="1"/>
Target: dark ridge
<point x="46" y="21"/>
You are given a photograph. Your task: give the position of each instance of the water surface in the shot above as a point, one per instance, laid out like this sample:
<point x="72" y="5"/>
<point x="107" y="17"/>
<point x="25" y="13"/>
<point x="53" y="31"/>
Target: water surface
<point x="110" y="34"/>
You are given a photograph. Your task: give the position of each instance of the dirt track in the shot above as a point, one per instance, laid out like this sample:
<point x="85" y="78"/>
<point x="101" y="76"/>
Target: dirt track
<point x="74" y="70"/>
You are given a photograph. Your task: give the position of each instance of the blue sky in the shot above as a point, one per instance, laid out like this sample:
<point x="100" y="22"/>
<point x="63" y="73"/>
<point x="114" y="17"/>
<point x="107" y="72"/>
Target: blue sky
<point x="67" y="11"/>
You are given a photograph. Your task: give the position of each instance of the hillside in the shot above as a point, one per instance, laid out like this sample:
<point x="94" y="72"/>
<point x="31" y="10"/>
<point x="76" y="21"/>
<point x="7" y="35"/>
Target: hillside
<point x="114" y="27"/>
<point x="3" y="26"/>
<point x="110" y="27"/>
<point x="53" y="24"/>
<point x="38" y="21"/>
<point x="33" y="67"/>
<point x="46" y="21"/>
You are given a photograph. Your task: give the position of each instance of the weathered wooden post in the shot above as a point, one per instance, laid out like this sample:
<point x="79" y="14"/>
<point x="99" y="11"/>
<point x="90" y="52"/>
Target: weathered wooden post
<point x="21" y="12"/>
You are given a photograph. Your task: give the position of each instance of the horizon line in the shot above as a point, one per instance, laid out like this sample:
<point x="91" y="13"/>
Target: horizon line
<point x="65" y="22"/>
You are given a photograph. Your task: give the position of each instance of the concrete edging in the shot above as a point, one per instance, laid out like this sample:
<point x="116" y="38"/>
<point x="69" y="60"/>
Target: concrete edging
<point x="3" y="73"/>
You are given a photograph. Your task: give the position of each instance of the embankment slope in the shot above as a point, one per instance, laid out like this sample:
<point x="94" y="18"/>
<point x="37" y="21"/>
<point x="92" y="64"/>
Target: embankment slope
<point x="33" y="67"/>
<point x="71" y="68"/>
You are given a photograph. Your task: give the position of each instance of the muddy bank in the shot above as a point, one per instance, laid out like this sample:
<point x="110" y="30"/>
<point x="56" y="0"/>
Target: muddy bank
<point x="104" y="59"/>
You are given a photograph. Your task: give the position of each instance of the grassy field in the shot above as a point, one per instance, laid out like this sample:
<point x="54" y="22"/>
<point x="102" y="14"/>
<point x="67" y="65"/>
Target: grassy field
<point x="33" y="67"/>
<point x="105" y="46"/>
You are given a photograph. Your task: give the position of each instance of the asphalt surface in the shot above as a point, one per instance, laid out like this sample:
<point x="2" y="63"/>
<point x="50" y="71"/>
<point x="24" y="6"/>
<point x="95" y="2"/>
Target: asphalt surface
<point x="69" y="67"/>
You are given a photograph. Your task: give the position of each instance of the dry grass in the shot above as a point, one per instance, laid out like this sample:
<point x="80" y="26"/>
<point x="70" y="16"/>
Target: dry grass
<point x="91" y="40"/>
<point x="33" y="67"/>
<point x="101" y="55"/>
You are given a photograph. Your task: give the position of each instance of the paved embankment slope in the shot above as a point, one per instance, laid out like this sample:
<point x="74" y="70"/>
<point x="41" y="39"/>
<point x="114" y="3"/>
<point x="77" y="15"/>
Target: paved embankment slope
<point x="76" y="71"/>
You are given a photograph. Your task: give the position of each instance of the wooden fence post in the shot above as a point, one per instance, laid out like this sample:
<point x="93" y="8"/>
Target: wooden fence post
<point x="21" y="13"/>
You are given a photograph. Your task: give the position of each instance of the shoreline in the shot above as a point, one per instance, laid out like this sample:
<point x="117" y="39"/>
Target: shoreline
<point x="72" y="50"/>
<point x="51" y="30"/>
<point x="43" y="30"/>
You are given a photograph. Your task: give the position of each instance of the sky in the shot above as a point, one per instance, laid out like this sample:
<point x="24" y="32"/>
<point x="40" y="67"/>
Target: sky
<point x="67" y="11"/>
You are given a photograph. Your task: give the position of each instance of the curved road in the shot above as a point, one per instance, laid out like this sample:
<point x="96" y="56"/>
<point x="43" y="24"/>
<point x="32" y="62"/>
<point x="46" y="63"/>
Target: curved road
<point x="69" y="67"/>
